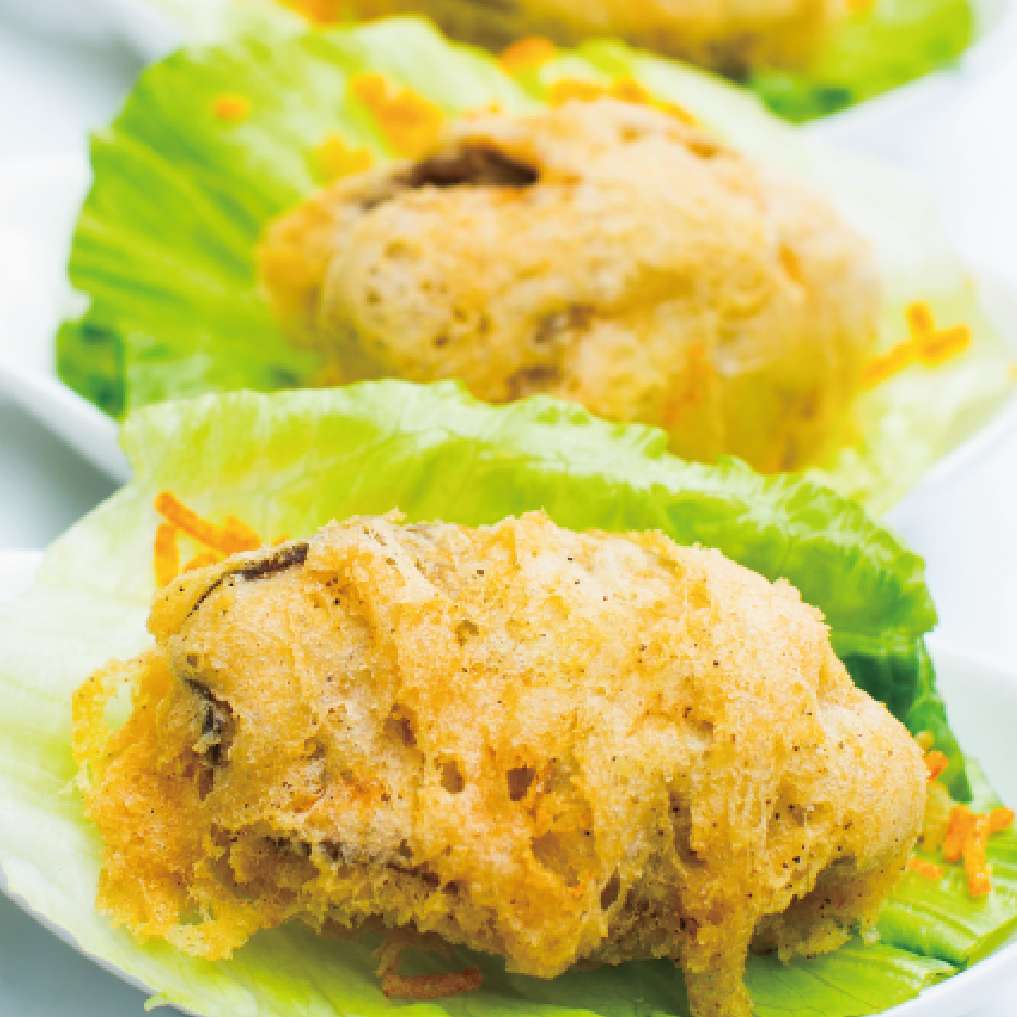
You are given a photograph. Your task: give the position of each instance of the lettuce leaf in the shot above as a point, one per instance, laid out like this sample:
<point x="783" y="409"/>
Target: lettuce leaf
<point x="941" y="919"/>
<point x="863" y="57"/>
<point x="289" y="462"/>
<point x="163" y="249"/>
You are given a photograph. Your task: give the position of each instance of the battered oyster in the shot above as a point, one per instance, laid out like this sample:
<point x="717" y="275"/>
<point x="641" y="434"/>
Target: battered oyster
<point x="602" y="252"/>
<point x="545" y="745"/>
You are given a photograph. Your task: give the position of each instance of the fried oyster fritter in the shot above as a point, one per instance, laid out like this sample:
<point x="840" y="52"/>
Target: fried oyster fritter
<point x="546" y="745"/>
<point x="731" y="36"/>
<point x="603" y="252"/>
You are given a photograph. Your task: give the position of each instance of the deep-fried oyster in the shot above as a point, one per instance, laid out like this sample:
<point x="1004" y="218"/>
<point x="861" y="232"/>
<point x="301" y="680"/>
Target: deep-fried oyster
<point x="603" y="252"/>
<point x="546" y="745"/>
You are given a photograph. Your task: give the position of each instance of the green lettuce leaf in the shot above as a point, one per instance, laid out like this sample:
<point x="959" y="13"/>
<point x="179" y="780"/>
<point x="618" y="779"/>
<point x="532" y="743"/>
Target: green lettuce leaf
<point x="864" y="56"/>
<point x="163" y="249"/>
<point x="941" y="919"/>
<point x="289" y="462"/>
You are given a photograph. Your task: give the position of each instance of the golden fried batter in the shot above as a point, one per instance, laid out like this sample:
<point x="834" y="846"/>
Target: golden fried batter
<point x="602" y="252"/>
<point x="546" y="745"/>
<point x="728" y="35"/>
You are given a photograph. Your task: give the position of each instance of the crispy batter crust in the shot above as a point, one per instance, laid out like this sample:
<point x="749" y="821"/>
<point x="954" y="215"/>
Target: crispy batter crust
<point x="546" y="745"/>
<point x="603" y="252"/>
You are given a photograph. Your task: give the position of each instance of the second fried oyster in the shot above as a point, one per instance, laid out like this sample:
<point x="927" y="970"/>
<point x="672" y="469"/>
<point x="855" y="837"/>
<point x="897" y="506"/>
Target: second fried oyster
<point x="603" y="252"/>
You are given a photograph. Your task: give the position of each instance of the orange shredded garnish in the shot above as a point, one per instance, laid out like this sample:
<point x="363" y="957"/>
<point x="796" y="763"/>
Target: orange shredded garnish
<point x="167" y="553"/>
<point x="410" y="122"/>
<point x="967" y="838"/>
<point x="961" y="822"/>
<point x="335" y="159"/>
<point x="624" y="89"/>
<point x="886" y="365"/>
<point x="527" y="54"/>
<point x="925" y="344"/>
<point x="231" y="108"/>
<point x="232" y="537"/>
<point x="943" y="346"/>
<point x="925" y="739"/>
<point x="975" y="864"/>
<point x="1000" y="819"/>
<point x="923" y="867"/>
<point x="935" y="763"/>
<point x="320" y="12"/>
<point x="921" y="323"/>
<point x="566" y="89"/>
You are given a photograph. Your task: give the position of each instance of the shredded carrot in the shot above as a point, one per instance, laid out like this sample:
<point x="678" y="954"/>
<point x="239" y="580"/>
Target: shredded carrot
<point x="410" y="122"/>
<point x="1000" y="819"/>
<point x="925" y="868"/>
<point x="926" y="344"/>
<point x="935" y="763"/>
<point x="961" y="822"/>
<point x="566" y="89"/>
<point x="925" y="739"/>
<point x="233" y="536"/>
<point x="943" y="346"/>
<point x="624" y="89"/>
<point x="975" y="864"/>
<point x="885" y="365"/>
<point x="921" y="323"/>
<point x="231" y="108"/>
<point x="320" y="12"/>
<point x="527" y="54"/>
<point x="167" y="553"/>
<point x="967" y="838"/>
<point x="335" y="159"/>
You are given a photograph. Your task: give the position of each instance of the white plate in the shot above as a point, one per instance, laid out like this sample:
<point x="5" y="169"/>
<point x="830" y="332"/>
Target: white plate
<point x="983" y="707"/>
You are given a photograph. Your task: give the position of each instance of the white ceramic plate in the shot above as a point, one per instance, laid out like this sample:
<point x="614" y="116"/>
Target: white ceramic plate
<point x="983" y="707"/>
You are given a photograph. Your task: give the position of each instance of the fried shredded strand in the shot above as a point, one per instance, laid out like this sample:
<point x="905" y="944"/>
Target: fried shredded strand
<point x="410" y="122"/>
<point x="167" y="553"/>
<point x="936" y="763"/>
<point x="216" y="541"/>
<point x="232" y="537"/>
<point x="422" y="987"/>
<point x="924" y="868"/>
<point x="925" y="344"/>
<point x="527" y="54"/>
<point x="624" y="89"/>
